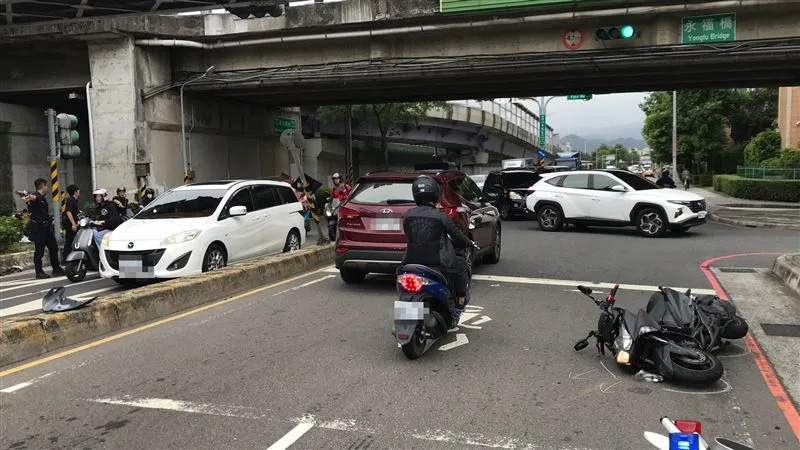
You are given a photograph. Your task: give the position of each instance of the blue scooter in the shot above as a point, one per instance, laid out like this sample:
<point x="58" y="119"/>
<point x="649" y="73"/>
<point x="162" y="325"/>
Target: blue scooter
<point x="425" y="308"/>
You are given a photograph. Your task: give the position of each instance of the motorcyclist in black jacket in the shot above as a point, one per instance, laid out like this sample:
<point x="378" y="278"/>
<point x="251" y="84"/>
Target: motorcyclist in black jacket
<point x="665" y="181"/>
<point x="428" y="230"/>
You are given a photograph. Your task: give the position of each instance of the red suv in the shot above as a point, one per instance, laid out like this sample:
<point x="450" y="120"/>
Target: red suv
<point x="371" y="238"/>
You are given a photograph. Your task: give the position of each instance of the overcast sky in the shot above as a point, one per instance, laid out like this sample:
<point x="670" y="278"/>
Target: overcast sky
<point x="602" y="111"/>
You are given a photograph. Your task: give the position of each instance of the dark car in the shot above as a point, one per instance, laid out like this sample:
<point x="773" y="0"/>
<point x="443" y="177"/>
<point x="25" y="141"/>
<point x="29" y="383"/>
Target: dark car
<point x="371" y="237"/>
<point x="506" y="189"/>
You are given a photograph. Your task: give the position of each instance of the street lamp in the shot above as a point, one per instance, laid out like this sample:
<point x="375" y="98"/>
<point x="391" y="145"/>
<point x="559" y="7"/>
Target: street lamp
<point x="186" y="167"/>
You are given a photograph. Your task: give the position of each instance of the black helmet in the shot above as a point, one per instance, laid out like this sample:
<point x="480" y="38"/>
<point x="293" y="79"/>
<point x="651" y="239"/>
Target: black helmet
<point x="425" y="190"/>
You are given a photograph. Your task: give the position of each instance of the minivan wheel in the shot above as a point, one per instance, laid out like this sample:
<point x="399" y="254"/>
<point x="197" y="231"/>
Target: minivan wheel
<point x="215" y="258"/>
<point x="494" y="256"/>
<point x="351" y="276"/>
<point x="650" y="222"/>
<point x="292" y="242"/>
<point x="550" y="218"/>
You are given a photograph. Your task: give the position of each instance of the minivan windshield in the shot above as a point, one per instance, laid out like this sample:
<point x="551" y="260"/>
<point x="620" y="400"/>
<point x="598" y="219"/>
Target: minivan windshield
<point x="183" y="204"/>
<point x="516" y="180"/>
<point x="383" y="193"/>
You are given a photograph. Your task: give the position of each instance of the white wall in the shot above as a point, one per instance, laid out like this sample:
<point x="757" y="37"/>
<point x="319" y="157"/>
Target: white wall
<point x="24" y="149"/>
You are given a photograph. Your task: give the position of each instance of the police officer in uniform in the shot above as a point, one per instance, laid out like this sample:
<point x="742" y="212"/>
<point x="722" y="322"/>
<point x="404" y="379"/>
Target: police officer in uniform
<point x="40" y="230"/>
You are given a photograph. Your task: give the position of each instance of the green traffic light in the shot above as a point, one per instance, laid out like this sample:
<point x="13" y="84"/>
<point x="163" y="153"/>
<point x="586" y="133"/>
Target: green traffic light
<point x="626" y="31"/>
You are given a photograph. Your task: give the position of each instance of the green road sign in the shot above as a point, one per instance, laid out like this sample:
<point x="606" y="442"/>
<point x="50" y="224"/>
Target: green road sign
<point x="705" y="29"/>
<point x="579" y="97"/>
<point x="281" y="124"/>
<point x="542" y="130"/>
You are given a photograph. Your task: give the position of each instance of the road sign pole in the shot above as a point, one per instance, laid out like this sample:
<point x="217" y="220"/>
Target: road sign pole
<point x="674" y="135"/>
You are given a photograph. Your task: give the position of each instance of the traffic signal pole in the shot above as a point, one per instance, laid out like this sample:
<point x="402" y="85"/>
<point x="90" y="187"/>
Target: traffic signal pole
<point x="675" y="135"/>
<point x="53" y="160"/>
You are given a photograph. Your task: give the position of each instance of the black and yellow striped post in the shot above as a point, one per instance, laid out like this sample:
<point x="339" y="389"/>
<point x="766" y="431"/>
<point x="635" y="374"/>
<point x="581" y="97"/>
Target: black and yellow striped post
<point x="186" y="178"/>
<point x="142" y="188"/>
<point x="54" y="181"/>
<point x="349" y="178"/>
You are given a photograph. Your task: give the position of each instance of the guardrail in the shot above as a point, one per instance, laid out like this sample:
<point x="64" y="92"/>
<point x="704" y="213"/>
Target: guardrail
<point x="509" y="113"/>
<point x="766" y="173"/>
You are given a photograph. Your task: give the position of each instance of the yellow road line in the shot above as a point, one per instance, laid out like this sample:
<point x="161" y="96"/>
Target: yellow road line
<point x="151" y="325"/>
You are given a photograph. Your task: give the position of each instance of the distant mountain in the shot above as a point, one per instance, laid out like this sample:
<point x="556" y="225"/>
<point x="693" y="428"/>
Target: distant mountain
<point x="592" y="143"/>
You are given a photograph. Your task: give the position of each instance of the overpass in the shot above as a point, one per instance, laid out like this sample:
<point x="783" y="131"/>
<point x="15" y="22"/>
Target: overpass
<point x="473" y="135"/>
<point x="361" y="51"/>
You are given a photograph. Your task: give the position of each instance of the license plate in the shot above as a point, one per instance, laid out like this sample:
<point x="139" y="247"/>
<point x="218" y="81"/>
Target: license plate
<point x="409" y="310"/>
<point x="387" y="224"/>
<point x="132" y="266"/>
<point x="702" y="214"/>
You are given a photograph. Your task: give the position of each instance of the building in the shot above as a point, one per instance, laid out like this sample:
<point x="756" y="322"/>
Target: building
<point x="789" y="116"/>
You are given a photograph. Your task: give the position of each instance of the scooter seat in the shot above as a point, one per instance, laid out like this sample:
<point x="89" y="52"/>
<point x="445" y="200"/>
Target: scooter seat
<point x="419" y="268"/>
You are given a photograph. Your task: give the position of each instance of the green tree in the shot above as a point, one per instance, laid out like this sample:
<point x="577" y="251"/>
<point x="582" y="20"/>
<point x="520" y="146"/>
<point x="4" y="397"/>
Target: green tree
<point x="765" y="145"/>
<point x="383" y="116"/>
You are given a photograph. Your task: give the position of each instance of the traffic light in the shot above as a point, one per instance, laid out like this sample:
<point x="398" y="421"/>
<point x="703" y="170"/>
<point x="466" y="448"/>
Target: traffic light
<point x="68" y="135"/>
<point x="615" y="32"/>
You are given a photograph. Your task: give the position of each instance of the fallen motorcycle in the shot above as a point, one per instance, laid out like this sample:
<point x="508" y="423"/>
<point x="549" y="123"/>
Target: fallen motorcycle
<point x="706" y="318"/>
<point x="638" y="343"/>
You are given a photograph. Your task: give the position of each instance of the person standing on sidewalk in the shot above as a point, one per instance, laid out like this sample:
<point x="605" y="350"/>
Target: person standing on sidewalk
<point x="70" y="223"/>
<point x="40" y="230"/>
<point x="687" y="179"/>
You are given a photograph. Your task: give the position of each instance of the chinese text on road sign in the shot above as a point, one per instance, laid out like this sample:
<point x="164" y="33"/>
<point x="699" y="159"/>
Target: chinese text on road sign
<point x="704" y="29"/>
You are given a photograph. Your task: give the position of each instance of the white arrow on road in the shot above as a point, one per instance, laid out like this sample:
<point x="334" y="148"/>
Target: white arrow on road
<point x="580" y="375"/>
<point x="461" y="339"/>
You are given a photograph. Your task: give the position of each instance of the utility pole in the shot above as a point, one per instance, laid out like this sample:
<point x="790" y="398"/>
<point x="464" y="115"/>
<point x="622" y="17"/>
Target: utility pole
<point x="348" y="144"/>
<point x="542" y="102"/>
<point x="675" y="135"/>
<point x="187" y="165"/>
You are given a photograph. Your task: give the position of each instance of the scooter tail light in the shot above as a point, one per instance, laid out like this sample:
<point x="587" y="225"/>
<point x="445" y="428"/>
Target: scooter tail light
<point x="411" y="283"/>
<point x="402" y="336"/>
<point x="452" y="212"/>
<point x="689" y="426"/>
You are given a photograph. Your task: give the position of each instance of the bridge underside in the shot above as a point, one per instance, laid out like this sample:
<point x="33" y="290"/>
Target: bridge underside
<point x="774" y="62"/>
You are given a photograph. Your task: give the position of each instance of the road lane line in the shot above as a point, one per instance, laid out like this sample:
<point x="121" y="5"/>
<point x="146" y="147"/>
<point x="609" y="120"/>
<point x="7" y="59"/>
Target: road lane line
<point x="34" y="305"/>
<point x="168" y="404"/>
<point x="292" y="436"/>
<point x="19" y="386"/>
<point x="169" y="319"/>
<point x="49" y="280"/>
<point x="304" y="285"/>
<point x="573" y="283"/>
<point x="770" y="378"/>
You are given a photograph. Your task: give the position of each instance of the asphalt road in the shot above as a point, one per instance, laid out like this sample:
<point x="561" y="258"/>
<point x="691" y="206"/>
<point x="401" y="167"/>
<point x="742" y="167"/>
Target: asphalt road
<point x="312" y="361"/>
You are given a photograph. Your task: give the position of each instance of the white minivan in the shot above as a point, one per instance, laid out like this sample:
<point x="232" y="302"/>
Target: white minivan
<point x="202" y="227"/>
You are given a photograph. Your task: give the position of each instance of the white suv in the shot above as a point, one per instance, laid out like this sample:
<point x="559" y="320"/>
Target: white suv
<point x="613" y="198"/>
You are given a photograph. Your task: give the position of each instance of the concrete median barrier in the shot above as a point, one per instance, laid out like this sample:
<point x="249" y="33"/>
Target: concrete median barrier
<point x="29" y="336"/>
<point x="787" y="268"/>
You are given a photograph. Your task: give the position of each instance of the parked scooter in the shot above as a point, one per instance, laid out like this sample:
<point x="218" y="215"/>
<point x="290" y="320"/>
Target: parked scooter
<point x="687" y="435"/>
<point x="425" y="308"/>
<point x="84" y="255"/>
<point x="638" y="342"/>
<point x="706" y="318"/>
<point x="332" y="215"/>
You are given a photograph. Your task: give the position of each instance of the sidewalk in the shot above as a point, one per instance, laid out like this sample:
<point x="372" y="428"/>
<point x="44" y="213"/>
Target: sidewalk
<point x="749" y="213"/>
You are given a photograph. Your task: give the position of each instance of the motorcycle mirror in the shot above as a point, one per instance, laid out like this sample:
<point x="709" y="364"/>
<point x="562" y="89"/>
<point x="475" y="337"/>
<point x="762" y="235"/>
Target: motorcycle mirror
<point x="580" y="345"/>
<point x="585" y="290"/>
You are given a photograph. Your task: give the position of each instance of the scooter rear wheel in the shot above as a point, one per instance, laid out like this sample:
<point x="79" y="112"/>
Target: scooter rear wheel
<point x="73" y="272"/>
<point x="416" y="347"/>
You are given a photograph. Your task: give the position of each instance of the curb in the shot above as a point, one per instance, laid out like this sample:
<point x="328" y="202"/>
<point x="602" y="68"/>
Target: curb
<point x="26" y="337"/>
<point x="788" y="270"/>
<point x="712" y="216"/>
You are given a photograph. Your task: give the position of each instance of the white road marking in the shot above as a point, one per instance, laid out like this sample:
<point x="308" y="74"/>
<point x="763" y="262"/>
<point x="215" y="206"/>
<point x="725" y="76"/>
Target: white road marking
<point x="580" y="375"/>
<point x="483" y="319"/>
<point x="461" y="339"/>
<point x="723" y="390"/>
<point x="19" y="386"/>
<point x="607" y="389"/>
<point x="304" y="285"/>
<point x="32" y="283"/>
<point x="166" y="404"/>
<point x="609" y="372"/>
<point x="551" y="282"/>
<point x="465" y="316"/>
<point x="292" y="436"/>
<point x="34" y="305"/>
<point x="478" y="440"/>
<point x="471" y="327"/>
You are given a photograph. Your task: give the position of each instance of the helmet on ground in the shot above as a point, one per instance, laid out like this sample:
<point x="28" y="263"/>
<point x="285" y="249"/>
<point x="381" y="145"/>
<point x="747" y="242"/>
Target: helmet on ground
<point x="425" y="190"/>
<point x="102" y="192"/>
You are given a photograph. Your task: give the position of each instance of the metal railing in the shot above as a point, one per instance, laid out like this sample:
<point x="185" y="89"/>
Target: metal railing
<point x="767" y="173"/>
<point x="509" y="113"/>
